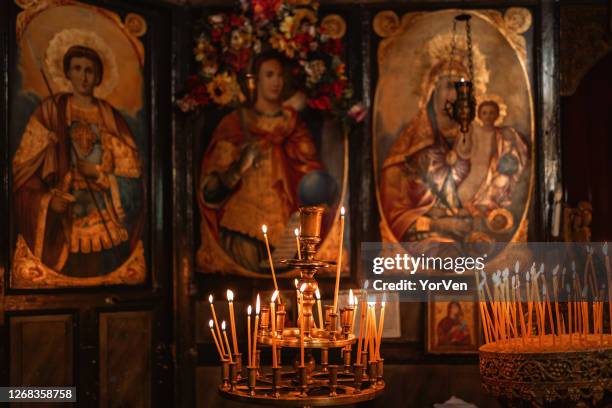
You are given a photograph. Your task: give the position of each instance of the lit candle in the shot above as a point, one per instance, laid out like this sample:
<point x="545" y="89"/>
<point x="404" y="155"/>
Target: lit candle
<point x="318" y="296"/>
<point x="273" y="321"/>
<point x="362" y="322"/>
<point x="254" y="353"/>
<point x="380" y="328"/>
<point x="372" y="332"/>
<point x="353" y="303"/>
<point x="249" y="309"/>
<point x="226" y="340"/>
<point x="212" y="308"/>
<point x="339" y="265"/>
<point x="297" y="300"/>
<point x="297" y="242"/>
<point x="302" y="328"/>
<point x="264" y="229"/>
<point x="230" y="300"/>
<point x="212" y="331"/>
<point x="462" y="79"/>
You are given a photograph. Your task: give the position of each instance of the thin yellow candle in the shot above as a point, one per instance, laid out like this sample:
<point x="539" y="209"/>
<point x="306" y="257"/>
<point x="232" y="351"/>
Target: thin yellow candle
<point x="609" y="278"/>
<point x="362" y="322"/>
<point x="297" y="300"/>
<point x="318" y="296"/>
<point x="230" y="300"/>
<point x="380" y="328"/>
<point x="301" y="331"/>
<point x="339" y="265"/>
<point x="273" y="321"/>
<point x="353" y="304"/>
<point x="254" y="353"/>
<point x="212" y="331"/>
<point x="212" y="308"/>
<point x="373" y="331"/>
<point x="264" y="229"/>
<point x="367" y="331"/>
<point x="226" y="340"/>
<point x="249" y="309"/>
<point x="297" y="242"/>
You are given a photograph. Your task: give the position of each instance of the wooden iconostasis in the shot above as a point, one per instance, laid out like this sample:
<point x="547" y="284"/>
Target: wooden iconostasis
<point x="540" y="66"/>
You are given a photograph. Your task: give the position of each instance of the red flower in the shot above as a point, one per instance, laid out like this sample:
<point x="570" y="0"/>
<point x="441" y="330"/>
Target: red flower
<point x="338" y="88"/>
<point x="332" y="46"/>
<point x="321" y="103"/>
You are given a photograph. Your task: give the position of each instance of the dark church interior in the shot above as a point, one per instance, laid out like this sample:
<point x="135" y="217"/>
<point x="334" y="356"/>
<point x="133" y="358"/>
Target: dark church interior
<point x="302" y="203"/>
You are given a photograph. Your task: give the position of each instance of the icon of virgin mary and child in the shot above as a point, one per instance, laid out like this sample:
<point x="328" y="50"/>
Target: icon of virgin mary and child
<point x="438" y="185"/>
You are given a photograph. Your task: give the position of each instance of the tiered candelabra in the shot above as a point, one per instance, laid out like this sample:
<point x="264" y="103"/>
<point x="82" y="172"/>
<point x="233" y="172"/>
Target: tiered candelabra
<point x="307" y="382"/>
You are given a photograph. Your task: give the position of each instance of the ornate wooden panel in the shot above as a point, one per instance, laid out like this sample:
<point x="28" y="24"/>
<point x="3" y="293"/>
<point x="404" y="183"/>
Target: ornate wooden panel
<point x="125" y="359"/>
<point x="42" y="351"/>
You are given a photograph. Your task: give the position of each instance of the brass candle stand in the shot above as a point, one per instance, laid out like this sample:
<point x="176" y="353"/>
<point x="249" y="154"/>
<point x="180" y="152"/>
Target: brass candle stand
<point x="307" y="382"/>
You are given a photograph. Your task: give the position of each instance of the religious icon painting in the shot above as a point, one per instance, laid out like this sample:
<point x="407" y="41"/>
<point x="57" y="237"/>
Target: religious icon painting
<point x="435" y="183"/>
<point x="453" y="326"/>
<point x="78" y="147"/>
<point x="259" y="168"/>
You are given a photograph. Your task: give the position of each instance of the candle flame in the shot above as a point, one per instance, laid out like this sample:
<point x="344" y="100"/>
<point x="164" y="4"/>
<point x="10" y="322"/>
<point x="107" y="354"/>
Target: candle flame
<point x="371" y="304"/>
<point x="296" y="232"/>
<point x="223" y="325"/>
<point x="257" y="306"/>
<point x="211" y="323"/>
<point x="462" y="79"/>
<point x="303" y="287"/>
<point x="351" y="298"/>
<point x="296" y="282"/>
<point x="342" y="211"/>
<point x="318" y="294"/>
<point x="274" y="296"/>
<point x="249" y="309"/>
<point x="210" y="298"/>
<point x="264" y="228"/>
<point x="230" y="295"/>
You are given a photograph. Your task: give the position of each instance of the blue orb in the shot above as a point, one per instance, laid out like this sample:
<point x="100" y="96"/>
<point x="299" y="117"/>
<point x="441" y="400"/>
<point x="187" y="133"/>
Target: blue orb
<point x="316" y="188"/>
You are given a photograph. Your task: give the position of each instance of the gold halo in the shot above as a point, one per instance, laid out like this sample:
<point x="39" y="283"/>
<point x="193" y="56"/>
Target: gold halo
<point x="334" y="26"/>
<point x="500" y="212"/>
<point x="517" y="19"/>
<point x="61" y="43"/>
<point x="24" y="4"/>
<point x="135" y="24"/>
<point x="438" y="50"/>
<point x="386" y="23"/>
<point x="503" y="107"/>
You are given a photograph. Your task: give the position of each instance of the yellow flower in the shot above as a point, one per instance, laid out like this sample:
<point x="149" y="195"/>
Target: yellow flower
<point x="224" y="89"/>
<point x="340" y="70"/>
<point x="279" y="43"/>
<point x="287" y="26"/>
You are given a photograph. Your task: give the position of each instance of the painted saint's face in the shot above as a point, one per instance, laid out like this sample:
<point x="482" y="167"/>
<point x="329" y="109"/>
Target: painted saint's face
<point x="454" y="311"/>
<point x="445" y="90"/>
<point x="488" y="115"/>
<point x="82" y="75"/>
<point x="270" y="81"/>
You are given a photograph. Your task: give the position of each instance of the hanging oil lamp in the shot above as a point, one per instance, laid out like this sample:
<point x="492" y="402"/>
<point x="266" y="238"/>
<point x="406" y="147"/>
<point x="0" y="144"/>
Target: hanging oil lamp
<point x="463" y="109"/>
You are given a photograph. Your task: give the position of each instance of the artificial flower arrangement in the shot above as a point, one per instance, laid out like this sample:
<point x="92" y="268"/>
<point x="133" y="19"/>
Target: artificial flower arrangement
<point x="227" y="43"/>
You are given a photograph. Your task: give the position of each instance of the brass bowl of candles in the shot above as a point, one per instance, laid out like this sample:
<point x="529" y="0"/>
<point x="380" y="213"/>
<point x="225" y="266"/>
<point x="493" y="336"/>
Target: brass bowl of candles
<point x="544" y="347"/>
<point x="543" y="373"/>
<point x="306" y="382"/>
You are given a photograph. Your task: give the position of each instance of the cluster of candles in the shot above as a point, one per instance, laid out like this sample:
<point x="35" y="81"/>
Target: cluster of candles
<point x="329" y="332"/>
<point x="370" y="333"/>
<point x="271" y="322"/>
<point x="507" y="315"/>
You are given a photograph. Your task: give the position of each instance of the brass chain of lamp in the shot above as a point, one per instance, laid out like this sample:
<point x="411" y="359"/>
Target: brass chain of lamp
<point x="463" y="109"/>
